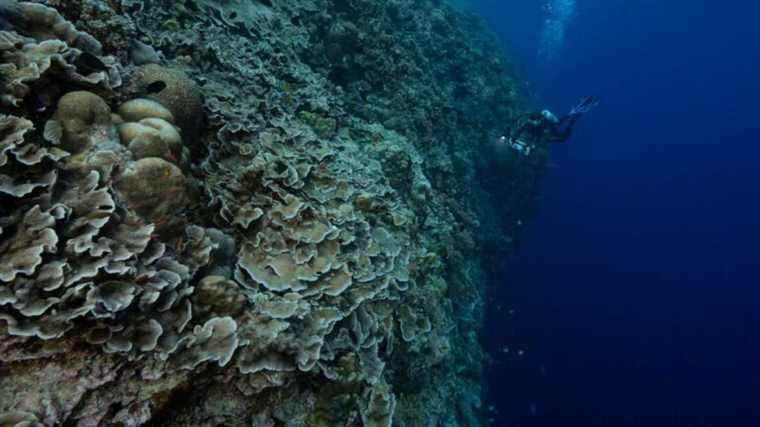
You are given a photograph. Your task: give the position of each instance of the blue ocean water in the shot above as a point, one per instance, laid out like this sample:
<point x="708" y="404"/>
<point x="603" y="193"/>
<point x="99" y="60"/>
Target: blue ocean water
<point x="635" y="299"/>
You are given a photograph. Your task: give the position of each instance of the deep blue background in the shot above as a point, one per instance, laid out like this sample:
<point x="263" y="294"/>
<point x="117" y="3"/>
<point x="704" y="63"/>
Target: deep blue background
<point x="636" y="295"/>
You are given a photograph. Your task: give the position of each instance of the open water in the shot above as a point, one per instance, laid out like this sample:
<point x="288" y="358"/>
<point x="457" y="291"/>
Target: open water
<point x="635" y="299"/>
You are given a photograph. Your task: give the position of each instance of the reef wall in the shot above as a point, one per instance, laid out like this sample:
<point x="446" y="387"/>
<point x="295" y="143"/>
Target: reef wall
<point x="250" y="213"/>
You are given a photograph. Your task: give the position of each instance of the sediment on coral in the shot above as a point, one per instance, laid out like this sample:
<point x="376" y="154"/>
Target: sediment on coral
<point x="249" y="212"/>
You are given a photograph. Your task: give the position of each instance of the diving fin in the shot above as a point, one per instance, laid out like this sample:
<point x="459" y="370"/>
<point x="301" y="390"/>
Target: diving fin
<point x="585" y="105"/>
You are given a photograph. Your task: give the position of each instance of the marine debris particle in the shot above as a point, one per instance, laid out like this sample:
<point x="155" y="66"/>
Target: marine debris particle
<point x="249" y="213"/>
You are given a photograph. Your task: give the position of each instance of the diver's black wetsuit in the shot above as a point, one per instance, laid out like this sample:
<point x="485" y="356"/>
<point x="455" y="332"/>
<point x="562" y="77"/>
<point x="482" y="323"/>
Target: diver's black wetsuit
<point x="536" y="127"/>
<point x="539" y="127"/>
<point x="561" y="131"/>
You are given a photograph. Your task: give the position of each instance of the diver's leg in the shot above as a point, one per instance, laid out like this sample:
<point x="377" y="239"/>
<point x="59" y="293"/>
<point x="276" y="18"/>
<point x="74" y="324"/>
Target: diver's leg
<point x="564" y="128"/>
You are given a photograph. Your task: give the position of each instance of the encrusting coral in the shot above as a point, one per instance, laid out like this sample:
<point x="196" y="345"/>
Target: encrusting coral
<point x="242" y="213"/>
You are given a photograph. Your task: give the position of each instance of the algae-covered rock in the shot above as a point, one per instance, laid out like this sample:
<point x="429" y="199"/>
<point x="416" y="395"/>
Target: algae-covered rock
<point x="142" y="54"/>
<point x="19" y="419"/>
<point x="222" y="294"/>
<point x="324" y="127"/>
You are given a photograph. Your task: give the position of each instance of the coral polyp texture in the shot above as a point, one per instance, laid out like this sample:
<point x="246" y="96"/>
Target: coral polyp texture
<point x="267" y="213"/>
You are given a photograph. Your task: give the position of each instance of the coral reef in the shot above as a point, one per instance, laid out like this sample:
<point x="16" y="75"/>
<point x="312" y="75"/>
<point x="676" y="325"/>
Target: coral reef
<point x="249" y="212"/>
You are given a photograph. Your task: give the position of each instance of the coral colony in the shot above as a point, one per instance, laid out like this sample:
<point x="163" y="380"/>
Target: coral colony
<point x="250" y="213"/>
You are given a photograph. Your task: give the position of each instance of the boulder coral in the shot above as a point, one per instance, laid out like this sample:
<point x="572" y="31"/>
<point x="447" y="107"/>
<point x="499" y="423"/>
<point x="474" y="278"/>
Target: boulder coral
<point x="173" y="89"/>
<point x="141" y="108"/>
<point x="151" y="137"/>
<point x="152" y="187"/>
<point x="84" y="118"/>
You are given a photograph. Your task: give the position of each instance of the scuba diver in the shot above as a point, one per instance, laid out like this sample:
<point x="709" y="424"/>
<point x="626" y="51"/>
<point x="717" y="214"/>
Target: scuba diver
<point x="545" y="127"/>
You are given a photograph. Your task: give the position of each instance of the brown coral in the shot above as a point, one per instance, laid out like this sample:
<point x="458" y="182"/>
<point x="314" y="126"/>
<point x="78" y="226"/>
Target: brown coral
<point x="152" y="187"/>
<point x="174" y="90"/>
<point x="141" y="108"/>
<point x="85" y="119"/>
<point x="152" y="137"/>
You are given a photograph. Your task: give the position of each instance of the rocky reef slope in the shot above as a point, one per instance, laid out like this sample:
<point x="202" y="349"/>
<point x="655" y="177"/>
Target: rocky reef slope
<point x="240" y="212"/>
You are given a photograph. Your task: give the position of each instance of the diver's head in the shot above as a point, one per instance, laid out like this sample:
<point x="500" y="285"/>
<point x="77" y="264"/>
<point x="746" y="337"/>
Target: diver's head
<point x="548" y="115"/>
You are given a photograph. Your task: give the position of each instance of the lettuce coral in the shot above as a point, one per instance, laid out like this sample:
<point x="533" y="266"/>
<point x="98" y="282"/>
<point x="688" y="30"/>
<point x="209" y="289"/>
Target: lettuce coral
<point x="269" y="218"/>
